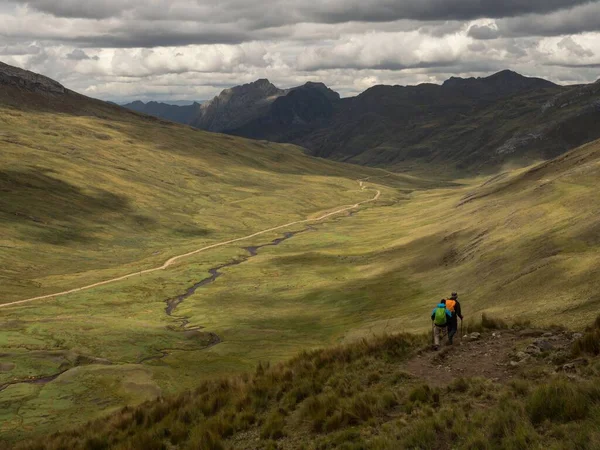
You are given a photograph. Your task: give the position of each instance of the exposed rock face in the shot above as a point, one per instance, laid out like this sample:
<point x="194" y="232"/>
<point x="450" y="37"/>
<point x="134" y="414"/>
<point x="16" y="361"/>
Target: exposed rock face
<point x="24" y="79"/>
<point x="237" y="106"/>
<point x="302" y="110"/>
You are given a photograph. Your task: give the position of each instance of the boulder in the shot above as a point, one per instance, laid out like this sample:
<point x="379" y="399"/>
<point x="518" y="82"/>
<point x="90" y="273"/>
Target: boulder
<point x="572" y="366"/>
<point x="522" y="356"/>
<point x="533" y="350"/>
<point x="475" y="336"/>
<point x="543" y="345"/>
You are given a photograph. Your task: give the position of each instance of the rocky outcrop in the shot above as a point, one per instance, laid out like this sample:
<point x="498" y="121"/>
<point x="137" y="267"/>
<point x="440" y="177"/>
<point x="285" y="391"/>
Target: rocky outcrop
<point x="237" y="106"/>
<point x="26" y="80"/>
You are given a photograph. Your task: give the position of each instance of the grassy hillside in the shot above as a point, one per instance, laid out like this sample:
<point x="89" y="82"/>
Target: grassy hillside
<point x="520" y="245"/>
<point x="86" y="198"/>
<point x="367" y="396"/>
<point x="90" y="192"/>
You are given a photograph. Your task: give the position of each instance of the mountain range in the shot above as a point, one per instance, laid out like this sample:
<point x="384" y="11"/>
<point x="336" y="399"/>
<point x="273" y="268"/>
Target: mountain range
<point x="472" y="124"/>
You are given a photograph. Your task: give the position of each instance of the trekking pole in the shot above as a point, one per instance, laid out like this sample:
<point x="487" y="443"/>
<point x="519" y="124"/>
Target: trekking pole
<point x="461" y="329"/>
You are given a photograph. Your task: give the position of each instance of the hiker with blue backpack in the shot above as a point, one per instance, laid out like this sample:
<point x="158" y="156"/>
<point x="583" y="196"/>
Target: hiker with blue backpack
<point x="439" y="317"/>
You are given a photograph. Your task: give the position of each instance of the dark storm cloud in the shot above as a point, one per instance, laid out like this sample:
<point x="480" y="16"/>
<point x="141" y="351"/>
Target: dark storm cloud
<point x="91" y="9"/>
<point x="574" y="21"/>
<point x="159" y="38"/>
<point x="143" y="24"/>
<point x="385" y="10"/>
<point x="383" y="65"/>
<point x="280" y="12"/>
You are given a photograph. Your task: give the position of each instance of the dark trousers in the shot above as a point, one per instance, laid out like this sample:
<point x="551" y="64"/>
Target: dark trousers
<point x="452" y="329"/>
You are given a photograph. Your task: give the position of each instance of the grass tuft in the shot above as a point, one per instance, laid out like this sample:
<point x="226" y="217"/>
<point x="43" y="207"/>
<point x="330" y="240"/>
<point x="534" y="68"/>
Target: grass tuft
<point x="558" y="401"/>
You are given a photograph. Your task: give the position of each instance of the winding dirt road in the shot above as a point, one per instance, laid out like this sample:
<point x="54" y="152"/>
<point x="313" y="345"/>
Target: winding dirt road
<point x="173" y="260"/>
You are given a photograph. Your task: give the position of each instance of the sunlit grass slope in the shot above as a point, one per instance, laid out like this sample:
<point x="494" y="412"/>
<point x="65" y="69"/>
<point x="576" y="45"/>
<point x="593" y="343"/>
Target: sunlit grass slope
<point x="85" y="198"/>
<point x="521" y="245"/>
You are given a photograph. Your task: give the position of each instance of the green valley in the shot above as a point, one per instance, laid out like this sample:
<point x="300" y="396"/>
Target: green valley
<point x="90" y="192"/>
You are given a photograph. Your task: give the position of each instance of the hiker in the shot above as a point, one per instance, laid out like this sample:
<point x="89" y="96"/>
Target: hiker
<point x="440" y="317"/>
<point x="453" y="305"/>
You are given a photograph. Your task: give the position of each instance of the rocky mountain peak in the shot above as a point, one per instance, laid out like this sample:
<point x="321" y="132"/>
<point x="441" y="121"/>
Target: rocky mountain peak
<point x="322" y="87"/>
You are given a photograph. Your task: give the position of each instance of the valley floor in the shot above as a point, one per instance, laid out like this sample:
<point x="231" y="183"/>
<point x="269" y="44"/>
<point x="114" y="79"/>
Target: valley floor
<point x="523" y="246"/>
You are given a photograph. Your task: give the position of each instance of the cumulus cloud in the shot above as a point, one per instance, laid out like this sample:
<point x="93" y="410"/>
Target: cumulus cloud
<point x="80" y="55"/>
<point x="20" y="49"/>
<point x="576" y="20"/>
<point x="191" y="49"/>
<point x="484" y="31"/>
<point x="389" y="51"/>
<point x="569" y="44"/>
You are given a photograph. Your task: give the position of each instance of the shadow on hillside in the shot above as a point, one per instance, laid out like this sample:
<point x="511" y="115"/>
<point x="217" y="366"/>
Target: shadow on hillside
<point x="56" y="212"/>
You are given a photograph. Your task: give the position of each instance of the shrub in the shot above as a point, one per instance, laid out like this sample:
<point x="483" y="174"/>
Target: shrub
<point x="459" y="385"/>
<point x="97" y="443"/>
<point x="205" y="440"/>
<point x="520" y="387"/>
<point x="492" y="323"/>
<point x="318" y="409"/>
<point x="423" y="434"/>
<point x="273" y="427"/>
<point x="589" y="343"/>
<point x="361" y="408"/>
<point x="421" y="394"/>
<point x="557" y="402"/>
<point x="373" y="378"/>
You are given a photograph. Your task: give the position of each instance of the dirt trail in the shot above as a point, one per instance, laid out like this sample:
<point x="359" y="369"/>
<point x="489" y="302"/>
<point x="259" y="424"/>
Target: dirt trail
<point x="174" y="259"/>
<point x="498" y="356"/>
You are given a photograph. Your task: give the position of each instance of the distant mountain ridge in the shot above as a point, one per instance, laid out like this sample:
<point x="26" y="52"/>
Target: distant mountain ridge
<point x="175" y="113"/>
<point x="497" y="85"/>
<point x="471" y="125"/>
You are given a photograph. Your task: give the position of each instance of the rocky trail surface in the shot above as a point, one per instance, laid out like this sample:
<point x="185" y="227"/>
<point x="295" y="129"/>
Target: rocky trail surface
<point x="497" y="355"/>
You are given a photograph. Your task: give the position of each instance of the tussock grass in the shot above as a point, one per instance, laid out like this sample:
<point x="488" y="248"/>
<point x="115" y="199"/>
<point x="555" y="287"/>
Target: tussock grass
<point x="589" y="343"/>
<point x="336" y="409"/>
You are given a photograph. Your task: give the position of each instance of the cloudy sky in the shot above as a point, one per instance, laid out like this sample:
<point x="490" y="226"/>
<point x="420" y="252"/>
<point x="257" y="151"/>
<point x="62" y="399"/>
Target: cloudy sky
<point x="192" y="49"/>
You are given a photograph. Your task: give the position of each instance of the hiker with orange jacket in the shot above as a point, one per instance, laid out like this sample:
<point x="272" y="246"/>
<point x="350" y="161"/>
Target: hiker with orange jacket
<point x="453" y="306"/>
